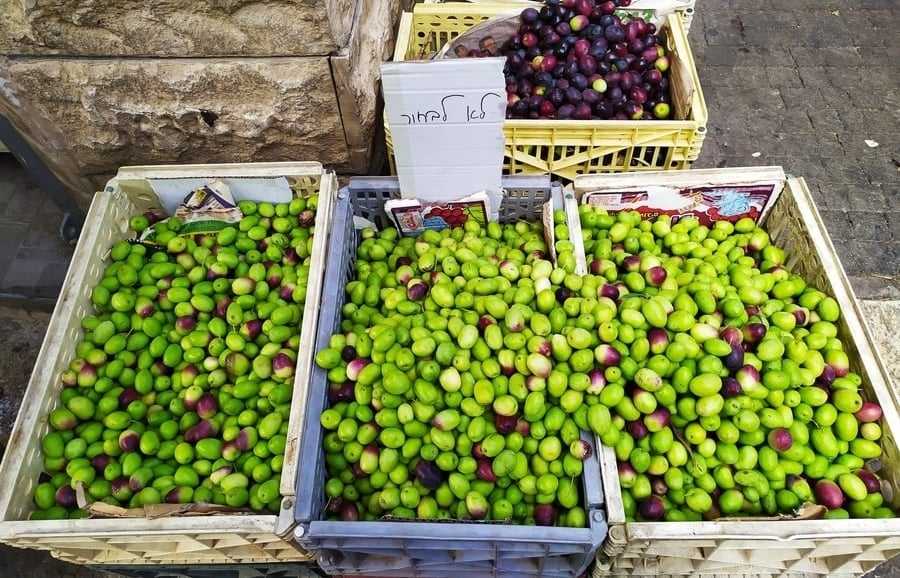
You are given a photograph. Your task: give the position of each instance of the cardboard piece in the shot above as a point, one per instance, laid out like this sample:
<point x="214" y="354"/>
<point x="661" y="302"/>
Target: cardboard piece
<point x="446" y="122"/>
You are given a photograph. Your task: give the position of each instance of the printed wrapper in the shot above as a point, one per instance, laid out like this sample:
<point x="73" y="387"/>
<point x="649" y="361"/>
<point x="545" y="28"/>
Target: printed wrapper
<point x="707" y="203"/>
<point x="207" y="209"/>
<point x="412" y="217"/>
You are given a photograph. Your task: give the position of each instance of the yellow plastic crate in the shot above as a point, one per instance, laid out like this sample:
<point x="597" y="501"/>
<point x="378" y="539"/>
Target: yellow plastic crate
<point x="685" y="7"/>
<point x="568" y="148"/>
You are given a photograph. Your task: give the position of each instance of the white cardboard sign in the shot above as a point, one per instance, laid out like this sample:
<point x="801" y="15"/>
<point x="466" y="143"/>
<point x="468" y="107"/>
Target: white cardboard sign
<point x="446" y="121"/>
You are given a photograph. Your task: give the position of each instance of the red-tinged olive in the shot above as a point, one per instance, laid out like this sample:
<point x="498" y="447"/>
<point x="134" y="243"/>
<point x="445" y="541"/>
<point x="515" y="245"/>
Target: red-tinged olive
<point x="287" y="291"/>
<point x="202" y="430"/>
<point x="154" y="215"/>
<point x="657" y="420"/>
<point x="179" y="495"/>
<point x="127" y="396"/>
<point x="780" y="439"/>
<point x="230" y="451"/>
<point x="801" y="316"/>
<point x="306" y="219"/>
<point x="731" y="335"/>
<point x="355" y="367"/>
<point x="282" y="366"/>
<point x="251" y="329"/>
<point x="869" y="412"/>
<point x="478" y="452"/>
<point x="607" y="355"/>
<point x="652" y="508"/>
<point x="754" y="332"/>
<point x="632" y="263"/>
<point x="484" y="321"/>
<point x="207" y="406"/>
<point x="290" y="256"/>
<point x="829" y="494"/>
<point x="69" y="378"/>
<point x="873" y="484"/>
<point x="544" y="515"/>
<point x="416" y="290"/>
<point x="523" y="427"/>
<point x="610" y="291"/>
<point x="580" y="449"/>
<point x="220" y="474"/>
<point x="246" y="438"/>
<point x="659" y="487"/>
<point x="185" y="324"/>
<point x="404" y="261"/>
<point x="120" y="489"/>
<point x="598" y="382"/>
<point x="129" y="441"/>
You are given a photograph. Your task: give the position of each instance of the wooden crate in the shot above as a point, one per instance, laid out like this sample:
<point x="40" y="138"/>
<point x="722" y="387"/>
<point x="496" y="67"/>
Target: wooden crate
<point x="569" y="148"/>
<point x="214" y="539"/>
<point x="764" y="548"/>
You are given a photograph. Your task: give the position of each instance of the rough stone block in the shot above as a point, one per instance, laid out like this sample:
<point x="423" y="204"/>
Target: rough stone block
<point x="177" y="27"/>
<point x="93" y="116"/>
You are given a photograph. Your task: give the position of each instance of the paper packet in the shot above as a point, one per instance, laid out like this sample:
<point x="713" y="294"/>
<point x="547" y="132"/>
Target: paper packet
<point x="412" y="217"/>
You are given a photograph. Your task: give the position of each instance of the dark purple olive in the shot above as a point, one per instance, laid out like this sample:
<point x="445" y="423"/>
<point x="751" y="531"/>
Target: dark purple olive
<point x="731" y="387"/>
<point x="638" y="430"/>
<point x="348" y="512"/>
<point x="652" y="508"/>
<point x="485" y="471"/>
<point x="65" y="496"/>
<point x="203" y="429"/>
<point x="562" y="294"/>
<point x="428" y="474"/>
<point x="530" y="15"/>
<point x="505" y="423"/>
<point x="873" y="485"/>
<point x="735" y="360"/>
<point x="100" y="462"/>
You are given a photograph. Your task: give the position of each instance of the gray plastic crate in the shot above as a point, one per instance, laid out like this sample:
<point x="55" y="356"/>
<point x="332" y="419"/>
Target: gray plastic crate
<point x="410" y="548"/>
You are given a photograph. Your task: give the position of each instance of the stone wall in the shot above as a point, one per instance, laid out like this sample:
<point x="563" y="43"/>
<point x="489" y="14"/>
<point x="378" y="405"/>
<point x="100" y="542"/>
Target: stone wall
<point x="206" y="81"/>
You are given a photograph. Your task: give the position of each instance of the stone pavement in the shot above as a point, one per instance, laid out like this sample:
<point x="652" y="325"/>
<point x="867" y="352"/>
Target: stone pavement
<point x="805" y="84"/>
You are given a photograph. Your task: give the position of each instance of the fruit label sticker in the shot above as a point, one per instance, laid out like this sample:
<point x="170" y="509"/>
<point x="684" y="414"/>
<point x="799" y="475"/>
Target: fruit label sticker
<point x="446" y="122"/>
<point x="412" y="217"/>
<point x="707" y="203"/>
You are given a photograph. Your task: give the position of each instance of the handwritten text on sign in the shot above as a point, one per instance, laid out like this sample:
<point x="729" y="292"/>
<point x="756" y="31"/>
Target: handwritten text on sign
<point x="445" y="119"/>
<point x="455" y="108"/>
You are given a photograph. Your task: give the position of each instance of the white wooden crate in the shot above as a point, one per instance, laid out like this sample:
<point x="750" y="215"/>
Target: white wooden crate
<point x="811" y="548"/>
<point x="176" y="540"/>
